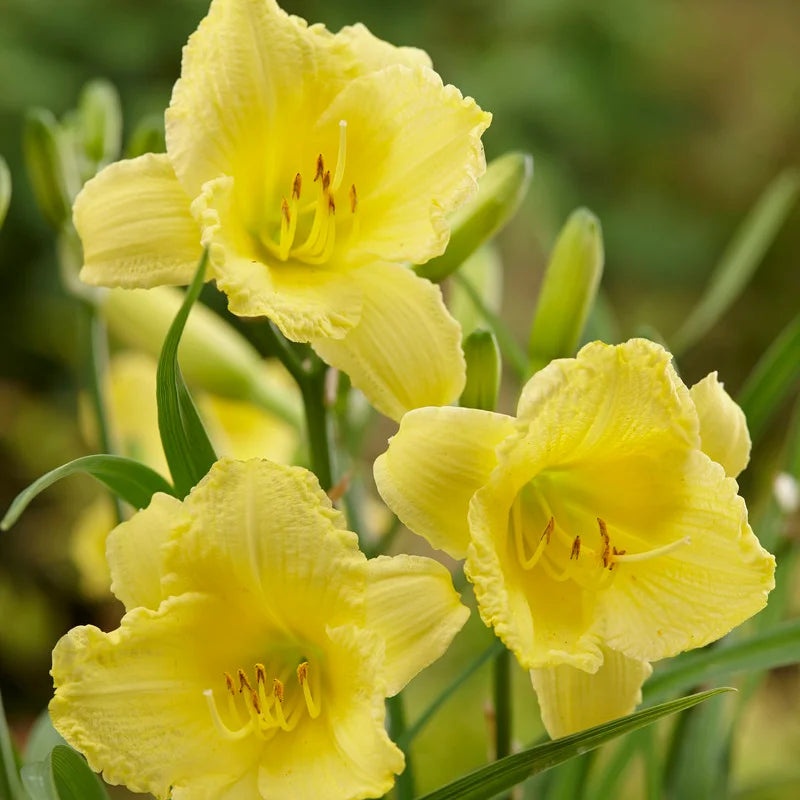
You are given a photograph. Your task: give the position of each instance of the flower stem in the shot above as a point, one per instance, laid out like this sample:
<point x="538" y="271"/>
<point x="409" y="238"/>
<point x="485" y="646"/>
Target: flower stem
<point x="404" y="788"/>
<point x="309" y="375"/>
<point x="98" y="364"/>
<point x="502" y="704"/>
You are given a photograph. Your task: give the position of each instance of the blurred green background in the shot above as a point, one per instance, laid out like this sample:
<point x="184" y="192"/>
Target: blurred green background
<point x="666" y="117"/>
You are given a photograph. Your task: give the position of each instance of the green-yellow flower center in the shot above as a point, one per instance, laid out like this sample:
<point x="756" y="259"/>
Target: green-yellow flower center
<point x="261" y="704"/>
<point x="307" y="232"/>
<point x="591" y="561"/>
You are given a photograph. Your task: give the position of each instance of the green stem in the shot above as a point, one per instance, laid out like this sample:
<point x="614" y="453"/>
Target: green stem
<point x="98" y="366"/>
<point x="313" y="390"/>
<point x="404" y="788"/>
<point x="502" y="704"/>
<point x="309" y="375"/>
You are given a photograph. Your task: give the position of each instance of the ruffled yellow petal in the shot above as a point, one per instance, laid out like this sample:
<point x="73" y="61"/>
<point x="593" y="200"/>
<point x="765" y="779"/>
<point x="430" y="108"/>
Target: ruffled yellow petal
<point x="303" y="301"/>
<point x="405" y="351"/>
<point x="134" y="550"/>
<point x="414" y="155"/>
<point x="136" y="227"/>
<point x="411" y="603"/>
<point x="346" y="753"/>
<point x="252" y="74"/>
<point x="572" y="700"/>
<point x="723" y="427"/>
<point x="435" y="463"/>
<point x="271" y="532"/>
<point x="701" y="590"/>
<point x="132" y="700"/>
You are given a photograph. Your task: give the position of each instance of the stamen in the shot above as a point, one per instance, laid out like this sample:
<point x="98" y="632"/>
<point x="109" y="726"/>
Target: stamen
<point x="302" y="677"/>
<point x="353" y="199"/>
<point x="606" y="555"/>
<point x="620" y="557"/>
<point x="288" y="225"/>
<point x="341" y="156"/>
<point x="321" y="214"/>
<point x="326" y="180"/>
<point x="328" y="236"/>
<point x="230" y="684"/>
<point x="320" y="168"/>
<point x="222" y="728"/>
<point x="277" y="691"/>
<point x="261" y="674"/>
<point x="243" y="681"/>
<point x="519" y="542"/>
<point x="576" y="549"/>
<point x="297" y="186"/>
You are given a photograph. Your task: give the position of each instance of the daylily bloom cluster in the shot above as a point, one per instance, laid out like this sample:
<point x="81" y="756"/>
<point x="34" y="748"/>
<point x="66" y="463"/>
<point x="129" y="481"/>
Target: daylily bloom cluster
<point x="314" y="166"/>
<point x="599" y="532"/>
<point x="257" y="646"/>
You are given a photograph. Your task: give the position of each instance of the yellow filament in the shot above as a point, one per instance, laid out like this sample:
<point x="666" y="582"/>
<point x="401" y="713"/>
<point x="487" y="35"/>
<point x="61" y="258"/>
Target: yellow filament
<point x="281" y="718"/>
<point x="648" y="554"/>
<point x="519" y="540"/>
<point x="222" y="728"/>
<point x="302" y="677"/>
<point x="341" y="156"/>
<point x="321" y="215"/>
<point x="289" y="216"/>
<point x="329" y="237"/>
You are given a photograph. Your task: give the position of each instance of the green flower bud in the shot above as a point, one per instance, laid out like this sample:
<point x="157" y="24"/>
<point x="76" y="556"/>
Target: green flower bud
<point x="500" y="192"/>
<point x="483" y="371"/>
<point x="568" y="289"/>
<point x="212" y="355"/>
<point x="5" y="190"/>
<point x="100" y="122"/>
<point x="52" y="165"/>
<point x="147" y="137"/>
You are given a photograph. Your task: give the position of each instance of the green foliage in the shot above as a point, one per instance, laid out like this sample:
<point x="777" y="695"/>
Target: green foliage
<point x="482" y="355"/>
<point x="10" y="785"/>
<point x="741" y="259"/>
<point x="128" y="479"/>
<point x="62" y="775"/>
<point x="186" y="445"/>
<point x="5" y="190"/>
<point x="511" y="770"/>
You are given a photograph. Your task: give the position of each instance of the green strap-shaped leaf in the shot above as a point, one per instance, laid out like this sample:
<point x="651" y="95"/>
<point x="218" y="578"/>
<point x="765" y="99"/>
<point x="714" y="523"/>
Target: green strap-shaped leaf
<point x="73" y="778"/>
<point x="184" y="439"/>
<point x="775" y="375"/>
<point x="741" y="259"/>
<point x="128" y="479"/>
<point x="10" y="785"/>
<point x="773" y="648"/>
<point x="511" y="770"/>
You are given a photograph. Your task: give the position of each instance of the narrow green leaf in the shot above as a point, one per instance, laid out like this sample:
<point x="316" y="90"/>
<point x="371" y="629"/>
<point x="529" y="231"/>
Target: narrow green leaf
<point x="492" y="651"/>
<point x="511" y="770"/>
<point x="187" y="448"/>
<point x="72" y="776"/>
<point x="42" y="739"/>
<point x="38" y="780"/>
<point x="509" y="347"/>
<point x="775" y="376"/>
<point x="777" y="647"/>
<point x="741" y="258"/>
<point x="128" y="479"/>
<point x="10" y="785"/>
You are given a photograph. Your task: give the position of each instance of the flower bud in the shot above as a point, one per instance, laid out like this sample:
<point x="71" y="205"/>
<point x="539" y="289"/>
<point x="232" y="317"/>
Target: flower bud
<point x="568" y="289"/>
<point x="147" y="137"/>
<point x="212" y="355"/>
<point x="484" y="270"/>
<point x="100" y="121"/>
<point x="500" y="192"/>
<point x="52" y="166"/>
<point x="483" y="371"/>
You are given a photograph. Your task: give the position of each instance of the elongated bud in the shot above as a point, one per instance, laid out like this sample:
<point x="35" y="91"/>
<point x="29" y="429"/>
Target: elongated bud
<point x="213" y="356"/>
<point x="5" y="190"/>
<point x="147" y="137"/>
<point x="51" y="164"/>
<point x="100" y="123"/>
<point x="483" y="371"/>
<point x="500" y="192"/>
<point x="484" y="270"/>
<point x="568" y="289"/>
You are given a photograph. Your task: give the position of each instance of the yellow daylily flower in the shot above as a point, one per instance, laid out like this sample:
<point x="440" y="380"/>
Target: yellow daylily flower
<point x="598" y="532"/>
<point x="236" y="429"/>
<point x="257" y="646"/>
<point x="315" y="166"/>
